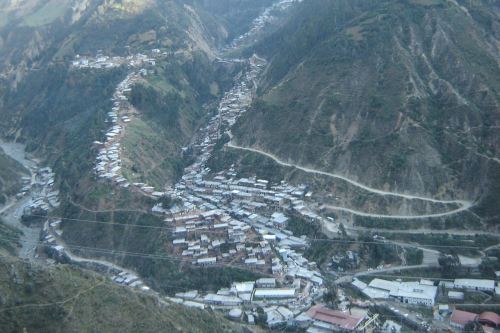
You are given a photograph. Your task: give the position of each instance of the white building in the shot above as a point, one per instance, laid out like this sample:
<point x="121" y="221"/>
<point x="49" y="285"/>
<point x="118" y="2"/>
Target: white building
<point x="242" y="287"/>
<point x="266" y="283"/>
<point x="274" y="293"/>
<point x="405" y="292"/>
<point x="279" y="220"/>
<point x="207" y="261"/>
<point x="222" y="300"/>
<point x="455" y="295"/>
<point x="475" y="284"/>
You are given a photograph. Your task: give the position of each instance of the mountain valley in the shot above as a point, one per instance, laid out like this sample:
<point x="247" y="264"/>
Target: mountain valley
<point x="248" y="165"/>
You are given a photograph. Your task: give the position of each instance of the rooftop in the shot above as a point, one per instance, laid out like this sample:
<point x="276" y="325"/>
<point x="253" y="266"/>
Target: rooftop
<point x="473" y="283"/>
<point x="274" y="292"/>
<point x="461" y="318"/>
<point x="334" y="317"/>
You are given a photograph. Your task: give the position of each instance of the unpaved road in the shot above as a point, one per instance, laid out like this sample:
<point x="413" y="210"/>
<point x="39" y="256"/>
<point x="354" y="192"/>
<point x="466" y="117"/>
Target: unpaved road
<point x="463" y="204"/>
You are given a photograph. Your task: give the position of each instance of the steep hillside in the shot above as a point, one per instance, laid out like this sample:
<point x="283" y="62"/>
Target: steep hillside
<point x="45" y="103"/>
<point x="62" y="299"/>
<point x="8" y="239"/>
<point x="398" y="95"/>
<point x="235" y="15"/>
<point x="172" y="102"/>
<point x="59" y="111"/>
<point x="10" y="177"/>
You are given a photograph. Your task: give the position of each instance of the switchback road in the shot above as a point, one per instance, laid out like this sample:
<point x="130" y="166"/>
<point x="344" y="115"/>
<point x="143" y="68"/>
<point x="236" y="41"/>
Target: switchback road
<point x="463" y="204"/>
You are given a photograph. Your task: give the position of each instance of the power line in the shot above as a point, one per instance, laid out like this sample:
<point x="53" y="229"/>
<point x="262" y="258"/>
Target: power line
<point x="224" y="265"/>
<point x="130" y="254"/>
<point x="174" y="258"/>
<point x="308" y="240"/>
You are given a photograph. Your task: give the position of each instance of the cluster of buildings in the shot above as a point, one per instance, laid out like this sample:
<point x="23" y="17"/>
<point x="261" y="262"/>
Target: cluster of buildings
<point x="101" y="61"/>
<point x="249" y="203"/>
<point x="109" y="162"/>
<point x="424" y="292"/>
<point x="488" y="320"/>
<point x="414" y="292"/>
<point x="44" y="196"/>
<point x="263" y="291"/>
<point x="282" y="300"/>
<point x="234" y="103"/>
<point x="247" y="228"/>
<point x="261" y="21"/>
<point x="125" y="278"/>
<point x="443" y="297"/>
<point x="242" y="222"/>
<point x="247" y="196"/>
<point x="25" y="189"/>
<point x="225" y="220"/>
<point x="212" y="237"/>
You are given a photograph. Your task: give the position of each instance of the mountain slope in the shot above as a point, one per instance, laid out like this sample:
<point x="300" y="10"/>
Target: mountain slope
<point x="398" y="95"/>
<point x="59" y="111"/>
<point x="44" y="102"/>
<point x="10" y="176"/>
<point x="62" y="299"/>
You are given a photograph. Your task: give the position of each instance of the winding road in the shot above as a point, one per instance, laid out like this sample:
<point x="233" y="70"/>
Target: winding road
<point x="464" y="205"/>
<point x="399" y="217"/>
<point x="424" y="231"/>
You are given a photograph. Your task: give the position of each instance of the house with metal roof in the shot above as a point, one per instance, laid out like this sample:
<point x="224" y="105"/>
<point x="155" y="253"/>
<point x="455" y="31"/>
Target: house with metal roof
<point x="405" y="292"/>
<point x="333" y="320"/>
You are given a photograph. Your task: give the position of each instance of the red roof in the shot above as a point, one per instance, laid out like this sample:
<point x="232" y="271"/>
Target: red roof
<point x="490" y="318"/>
<point x="461" y="318"/>
<point x="337" y="318"/>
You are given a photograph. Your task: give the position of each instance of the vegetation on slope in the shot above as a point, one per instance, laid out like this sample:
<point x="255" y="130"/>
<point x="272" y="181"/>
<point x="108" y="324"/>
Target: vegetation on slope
<point x="63" y="299"/>
<point x="8" y="239"/>
<point x="172" y="104"/>
<point x="59" y="112"/>
<point x="10" y="176"/>
<point x="401" y="95"/>
<point x="236" y="15"/>
<point x="135" y="239"/>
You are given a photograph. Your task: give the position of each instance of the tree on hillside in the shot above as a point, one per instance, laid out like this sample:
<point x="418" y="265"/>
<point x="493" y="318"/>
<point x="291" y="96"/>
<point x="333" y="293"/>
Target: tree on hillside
<point x="449" y="263"/>
<point x="168" y="202"/>
<point x="330" y="298"/>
